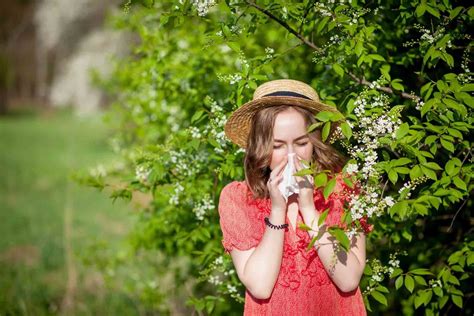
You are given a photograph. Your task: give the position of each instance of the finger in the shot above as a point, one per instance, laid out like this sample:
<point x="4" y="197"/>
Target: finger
<point x="297" y="164"/>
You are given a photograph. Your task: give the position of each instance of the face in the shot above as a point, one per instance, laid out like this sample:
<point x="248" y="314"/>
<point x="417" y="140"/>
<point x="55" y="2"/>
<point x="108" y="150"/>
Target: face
<point x="290" y="136"/>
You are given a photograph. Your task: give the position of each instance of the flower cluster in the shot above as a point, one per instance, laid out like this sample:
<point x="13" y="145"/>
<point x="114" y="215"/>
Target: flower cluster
<point x="466" y="76"/>
<point x="269" y="51"/>
<point x="374" y="121"/>
<point x="231" y="79"/>
<point x="219" y="274"/>
<point x="98" y="171"/>
<point x="435" y="283"/>
<point x="142" y="173"/>
<point x="201" y="208"/>
<point x="203" y="6"/>
<point x="322" y="9"/>
<point x="405" y="190"/>
<point x="178" y="189"/>
<point x="195" y="132"/>
<point x="215" y="129"/>
<point x="182" y="164"/>
<point x="380" y="271"/>
<point x="369" y="203"/>
<point x="427" y="38"/>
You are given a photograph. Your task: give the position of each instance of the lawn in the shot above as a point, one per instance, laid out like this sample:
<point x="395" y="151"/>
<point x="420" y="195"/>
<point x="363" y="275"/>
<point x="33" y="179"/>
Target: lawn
<point x="47" y="221"/>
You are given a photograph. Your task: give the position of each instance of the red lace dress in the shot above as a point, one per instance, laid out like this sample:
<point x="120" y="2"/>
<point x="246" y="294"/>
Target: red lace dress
<point x="303" y="286"/>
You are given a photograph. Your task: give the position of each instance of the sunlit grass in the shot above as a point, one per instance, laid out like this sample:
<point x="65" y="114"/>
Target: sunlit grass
<point x="37" y="155"/>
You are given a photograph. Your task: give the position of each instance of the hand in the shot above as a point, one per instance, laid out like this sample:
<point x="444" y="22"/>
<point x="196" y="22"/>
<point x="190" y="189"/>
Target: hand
<point x="306" y="188"/>
<point x="276" y="176"/>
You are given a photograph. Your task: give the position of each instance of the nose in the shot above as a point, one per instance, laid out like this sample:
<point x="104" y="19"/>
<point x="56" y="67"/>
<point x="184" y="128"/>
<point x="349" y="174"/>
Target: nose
<point x="290" y="150"/>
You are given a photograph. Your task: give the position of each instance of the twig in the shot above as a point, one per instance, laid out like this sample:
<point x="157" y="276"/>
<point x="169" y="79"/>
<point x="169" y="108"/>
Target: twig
<point x="452" y="222"/>
<point x="383" y="190"/>
<point x="309" y="43"/>
<point x="306" y="12"/>
<point x="389" y="90"/>
<point x="465" y="157"/>
<point x="284" y="24"/>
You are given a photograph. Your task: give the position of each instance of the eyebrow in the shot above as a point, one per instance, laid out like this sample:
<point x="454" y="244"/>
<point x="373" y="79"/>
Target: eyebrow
<point x="296" y="139"/>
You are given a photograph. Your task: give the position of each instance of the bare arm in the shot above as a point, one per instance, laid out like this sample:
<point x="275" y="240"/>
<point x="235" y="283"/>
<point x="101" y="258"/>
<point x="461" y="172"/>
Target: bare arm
<point x="345" y="269"/>
<point x="258" y="267"/>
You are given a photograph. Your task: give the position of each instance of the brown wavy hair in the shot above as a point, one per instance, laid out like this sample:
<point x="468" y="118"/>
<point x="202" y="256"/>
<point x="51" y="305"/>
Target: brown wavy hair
<point x="260" y="147"/>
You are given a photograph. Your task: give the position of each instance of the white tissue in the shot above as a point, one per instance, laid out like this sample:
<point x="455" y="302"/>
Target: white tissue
<point x="288" y="185"/>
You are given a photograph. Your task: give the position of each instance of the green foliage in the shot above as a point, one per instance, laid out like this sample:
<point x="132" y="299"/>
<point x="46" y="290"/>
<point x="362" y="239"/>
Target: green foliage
<point x="402" y="65"/>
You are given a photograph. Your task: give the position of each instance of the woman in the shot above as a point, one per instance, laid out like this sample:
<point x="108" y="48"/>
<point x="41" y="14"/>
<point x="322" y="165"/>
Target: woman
<point x="260" y="226"/>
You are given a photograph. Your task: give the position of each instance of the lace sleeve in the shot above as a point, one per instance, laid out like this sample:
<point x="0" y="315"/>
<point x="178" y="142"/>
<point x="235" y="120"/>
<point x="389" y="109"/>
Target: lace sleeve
<point x="240" y="228"/>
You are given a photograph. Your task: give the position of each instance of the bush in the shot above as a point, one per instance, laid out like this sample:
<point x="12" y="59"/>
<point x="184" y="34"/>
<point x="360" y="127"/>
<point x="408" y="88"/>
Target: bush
<point x="397" y="70"/>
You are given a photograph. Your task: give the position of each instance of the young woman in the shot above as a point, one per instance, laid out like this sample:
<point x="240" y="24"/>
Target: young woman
<point x="260" y="226"/>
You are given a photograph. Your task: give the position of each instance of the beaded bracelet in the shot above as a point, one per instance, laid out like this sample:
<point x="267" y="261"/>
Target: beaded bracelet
<point x="282" y="226"/>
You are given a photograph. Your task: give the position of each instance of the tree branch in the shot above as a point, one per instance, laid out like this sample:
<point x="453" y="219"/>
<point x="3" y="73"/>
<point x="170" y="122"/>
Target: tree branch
<point x="459" y="209"/>
<point x="309" y="43"/>
<point x="389" y="90"/>
<point x="284" y="24"/>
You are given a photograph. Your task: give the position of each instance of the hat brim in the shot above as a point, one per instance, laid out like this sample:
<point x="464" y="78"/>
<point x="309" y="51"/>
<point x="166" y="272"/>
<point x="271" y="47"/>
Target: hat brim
<point x="237" y="127"/>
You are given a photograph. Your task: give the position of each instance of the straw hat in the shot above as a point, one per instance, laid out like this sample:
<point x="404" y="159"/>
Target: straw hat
<point x="273" y="93"/>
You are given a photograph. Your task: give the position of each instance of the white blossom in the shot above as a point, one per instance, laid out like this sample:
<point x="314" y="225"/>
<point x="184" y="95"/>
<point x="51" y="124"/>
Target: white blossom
<point x="203" y="6"/>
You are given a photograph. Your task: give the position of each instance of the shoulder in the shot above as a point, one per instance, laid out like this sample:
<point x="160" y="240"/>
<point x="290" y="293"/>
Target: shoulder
<point x="235" y="190"/>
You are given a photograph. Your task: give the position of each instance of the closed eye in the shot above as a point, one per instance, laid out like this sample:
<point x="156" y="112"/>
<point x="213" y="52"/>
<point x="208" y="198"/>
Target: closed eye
<point x="302" y="144"/>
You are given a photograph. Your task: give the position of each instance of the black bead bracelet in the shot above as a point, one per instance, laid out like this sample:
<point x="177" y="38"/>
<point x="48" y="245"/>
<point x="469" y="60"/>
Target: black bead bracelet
<point x="282" y="226"/>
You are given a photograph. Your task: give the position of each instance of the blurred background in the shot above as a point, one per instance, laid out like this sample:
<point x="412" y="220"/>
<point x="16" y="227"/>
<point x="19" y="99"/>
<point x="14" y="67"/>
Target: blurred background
<point x="51" y="125"/>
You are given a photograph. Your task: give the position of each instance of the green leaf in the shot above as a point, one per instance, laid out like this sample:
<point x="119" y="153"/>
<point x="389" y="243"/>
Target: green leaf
<point x="385" y="70"/>
<point x="429" y="173"/>
<point x="376" y="57"/>
<point x="421" y="271"/>
<point x="397" y="85"/>
<point x="346" y="130"/>
<point x="320" y="180"/>
<point x="409" y="283"/>
<point x="393" y="176"/>
<point x="339" y="234"/>
<point x="379" y="297"/>
<point x="402" y="131"/>
<point x="400" y="162"/>
<point x="420" y="10"/>
<point x="420" y="280"/>
<point x="305" y="227"/>
<point x="197" y="116"/>
<point x="396" y="272"/>
<point x="314" y="126"/>
<point x="399" y="282"/>
<point x="418" y="301"/>
<point x="454" y="13"/>
<point x="447" y="145"/>
<point x="234" y="46"/>
<point x="329" y="188"/>
<point x="457" y="300"/>
<point x="415" y="172"/>
<point x="322" y="24"/>
<point x="326" y="130"/>
<point x="324" y="116"/>
<point x="460" y="183"/>
<point x="432" y="166"/>
<point x="323" y="216"/>
<point x="338" y="69"/>
<point x="438" y="291"/>
<point x="399" y="208"/>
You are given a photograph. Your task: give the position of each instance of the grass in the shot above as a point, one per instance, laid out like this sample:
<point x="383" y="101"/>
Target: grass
<point x="47" y="221"/>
